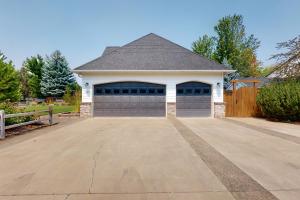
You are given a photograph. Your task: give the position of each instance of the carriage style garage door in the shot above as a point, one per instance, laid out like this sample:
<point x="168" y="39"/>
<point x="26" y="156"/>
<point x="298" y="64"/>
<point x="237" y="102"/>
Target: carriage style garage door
<point x="129" y="99"/>
<point x="193" y="99"/>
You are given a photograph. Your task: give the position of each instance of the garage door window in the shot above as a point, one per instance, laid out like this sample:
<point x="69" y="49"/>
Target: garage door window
<point x="189" y="91"/>
<point x="206" y="91"/>
<point x="134" y="91"/>
<point x="179" y="91"/>
<point x="98" y="91"/>
<point x="116" y="91"/>
<point x="197" y="91"/>
<point x="107" y="91"/>
<point x="143" y="91"/>
<point x="151" y="91"/>
<point x="160" y="91"/>
<point x="130" y="88"/>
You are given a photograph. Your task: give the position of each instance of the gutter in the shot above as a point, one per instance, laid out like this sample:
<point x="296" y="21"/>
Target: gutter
<point x="89" y="71"/>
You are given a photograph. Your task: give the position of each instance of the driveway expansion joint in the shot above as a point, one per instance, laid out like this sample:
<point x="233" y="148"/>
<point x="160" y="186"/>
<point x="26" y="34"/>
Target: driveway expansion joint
<point x="67" y="196"/>
<point x="238" y="183"/>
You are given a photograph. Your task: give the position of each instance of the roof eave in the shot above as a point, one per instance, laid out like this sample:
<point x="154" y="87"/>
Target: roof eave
<point x="92" y="71"/>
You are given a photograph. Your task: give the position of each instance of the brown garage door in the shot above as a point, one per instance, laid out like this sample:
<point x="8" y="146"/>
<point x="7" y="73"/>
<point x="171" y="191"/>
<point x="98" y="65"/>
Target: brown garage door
<point x="193" y="99"/>
<point x="129" y="99"/>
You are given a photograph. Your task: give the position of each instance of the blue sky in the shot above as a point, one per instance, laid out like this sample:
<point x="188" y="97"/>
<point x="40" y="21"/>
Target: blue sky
<point x="82" y="28"/>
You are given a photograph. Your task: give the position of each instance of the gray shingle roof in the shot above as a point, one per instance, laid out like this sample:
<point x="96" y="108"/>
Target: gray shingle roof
<point x="108" y="50"/>
<point x="150" y="52"/>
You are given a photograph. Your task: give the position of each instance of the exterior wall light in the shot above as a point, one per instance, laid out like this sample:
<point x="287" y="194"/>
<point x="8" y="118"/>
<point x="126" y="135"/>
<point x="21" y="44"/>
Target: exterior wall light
<point x="218" y="84"/>
<point x="86" y="84"/>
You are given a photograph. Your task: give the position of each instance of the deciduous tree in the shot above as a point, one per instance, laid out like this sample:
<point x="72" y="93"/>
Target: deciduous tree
<point x="24" y="76"/>
<point x="9" y="81"/>
<point x="204" y="46"/>
<point x="232" y="44"/>
<point x="288" y="65"/>
<point x="34" y="66"/>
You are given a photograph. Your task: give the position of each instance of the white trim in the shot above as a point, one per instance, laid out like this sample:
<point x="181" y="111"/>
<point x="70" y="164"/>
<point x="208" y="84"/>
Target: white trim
<point x="78" y="71"/>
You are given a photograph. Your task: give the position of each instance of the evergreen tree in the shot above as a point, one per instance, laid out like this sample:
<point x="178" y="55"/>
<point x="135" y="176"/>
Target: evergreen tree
<point x="34" y="66"/>
<point x="9" y="81"/>
<point x="56" y="75"/>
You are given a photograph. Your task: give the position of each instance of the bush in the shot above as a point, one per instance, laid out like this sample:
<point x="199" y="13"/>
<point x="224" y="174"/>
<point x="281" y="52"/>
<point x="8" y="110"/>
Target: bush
<point x="10" y="108"/>
<point x="280" y="100"/>
<point x="72" y="96"/>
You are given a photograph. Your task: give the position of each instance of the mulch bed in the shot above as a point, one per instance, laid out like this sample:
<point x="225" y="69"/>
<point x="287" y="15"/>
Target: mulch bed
<point x="25" y="129"/>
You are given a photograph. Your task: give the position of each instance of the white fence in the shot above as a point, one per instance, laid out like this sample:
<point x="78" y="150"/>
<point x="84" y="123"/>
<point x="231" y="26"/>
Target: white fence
<point x="4" y="116"/>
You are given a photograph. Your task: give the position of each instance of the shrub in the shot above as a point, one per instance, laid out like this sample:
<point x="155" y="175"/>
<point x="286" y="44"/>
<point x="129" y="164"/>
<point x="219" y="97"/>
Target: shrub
<point x="72" y="96"/>
<point x="10" y="108"/>
<point x="280" y="100"/>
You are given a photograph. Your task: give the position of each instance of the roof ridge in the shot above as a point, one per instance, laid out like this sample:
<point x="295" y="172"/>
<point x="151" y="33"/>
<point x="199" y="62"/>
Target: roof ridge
<point x="138" y="39"/>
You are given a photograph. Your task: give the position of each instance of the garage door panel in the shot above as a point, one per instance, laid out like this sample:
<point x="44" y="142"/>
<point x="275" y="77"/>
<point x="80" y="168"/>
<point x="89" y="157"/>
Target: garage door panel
<point x="193" y="113"/>
<point x="128" y="112"/>
<point x="136" y="101"/>
<point x="107" y="105"/>
<point x="193" y="99"/>
<point x="193" y="106"/>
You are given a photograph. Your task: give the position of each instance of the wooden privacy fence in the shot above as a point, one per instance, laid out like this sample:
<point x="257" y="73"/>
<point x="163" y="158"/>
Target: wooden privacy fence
<point x="4" y="116"/>
<point x="241" y="102"/>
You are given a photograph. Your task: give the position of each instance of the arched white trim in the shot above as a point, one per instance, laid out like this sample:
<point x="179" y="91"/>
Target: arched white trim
<point x="107" y="82"/>
<point x="199" y="81"/>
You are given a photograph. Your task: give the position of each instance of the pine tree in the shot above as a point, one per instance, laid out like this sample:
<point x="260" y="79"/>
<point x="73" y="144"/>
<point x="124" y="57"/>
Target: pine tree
<point x="9" y="81"/>
<point x="56" y="75"/>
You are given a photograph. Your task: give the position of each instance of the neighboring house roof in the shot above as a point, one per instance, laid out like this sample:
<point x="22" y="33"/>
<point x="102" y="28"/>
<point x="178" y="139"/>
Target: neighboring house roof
<point x="150" y="52"/>
<point x="262" y="81"/>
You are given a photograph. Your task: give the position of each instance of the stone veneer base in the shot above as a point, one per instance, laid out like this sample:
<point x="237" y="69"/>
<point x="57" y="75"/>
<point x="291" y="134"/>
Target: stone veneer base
<point x="219" y="110"/>
<point x="86" y="110"/>
<point x="171" y="109"/>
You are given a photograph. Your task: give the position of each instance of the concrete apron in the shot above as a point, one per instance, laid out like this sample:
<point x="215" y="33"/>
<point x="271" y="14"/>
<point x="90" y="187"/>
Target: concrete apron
<point x="108" y="159"/>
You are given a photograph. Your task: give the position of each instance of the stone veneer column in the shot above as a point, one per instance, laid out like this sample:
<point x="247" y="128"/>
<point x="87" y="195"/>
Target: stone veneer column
<point x="171" y="109"/>
<point x="86" y="110"/>
<point x="219" y="110"/>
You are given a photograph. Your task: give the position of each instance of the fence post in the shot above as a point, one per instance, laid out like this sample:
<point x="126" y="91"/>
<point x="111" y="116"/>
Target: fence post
<point x="50" y="115"/>
<point x="2" y="124"/>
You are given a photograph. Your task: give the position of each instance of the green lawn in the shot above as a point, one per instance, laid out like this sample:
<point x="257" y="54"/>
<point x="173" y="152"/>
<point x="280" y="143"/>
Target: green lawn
<point x="56" y="108"/>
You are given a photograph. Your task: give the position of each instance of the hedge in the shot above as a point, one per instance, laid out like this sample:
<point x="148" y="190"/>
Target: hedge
<point x="280" y="100"/>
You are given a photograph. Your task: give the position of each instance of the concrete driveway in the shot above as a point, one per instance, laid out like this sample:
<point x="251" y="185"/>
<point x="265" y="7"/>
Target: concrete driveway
<point x="151" y="158"/>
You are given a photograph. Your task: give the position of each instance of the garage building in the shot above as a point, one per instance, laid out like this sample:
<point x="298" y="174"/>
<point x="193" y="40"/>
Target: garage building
<point x="151" y="77"/>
